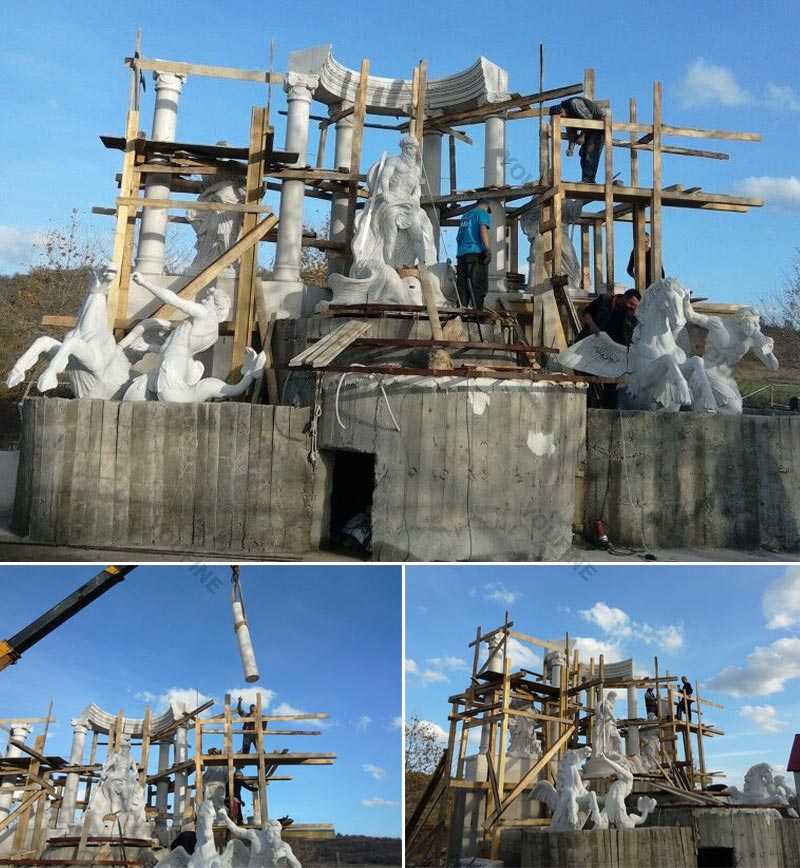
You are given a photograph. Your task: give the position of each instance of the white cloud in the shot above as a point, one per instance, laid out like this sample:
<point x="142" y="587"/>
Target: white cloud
<point x="425" y="676"/>
<point x="617" y="622"/>
<point x="523" y="656"/>
<point x="765" y="717"/>
<point x="378" y="802"/>
<point x="783" y="192"/>
<point x="706" y="82"/>
<point x="17" y="246"/>
<point x="766" y="671"/>
<point x="376" y="771"/>
<point x="411" y="666"/>
<point x="181" y="699"/>
<point x="431" y="730"/>
<point x="497" y="592"/>
<point x="608" y="618"/>
<point x="590" y="647"/>
<point x="249" y="696"/>
<point x="781" y="599"/>
<point x="783" y="96"/>
<point x="397" y="723"/>
<point x="363" y="723"/>
<point x="448" y="663"/>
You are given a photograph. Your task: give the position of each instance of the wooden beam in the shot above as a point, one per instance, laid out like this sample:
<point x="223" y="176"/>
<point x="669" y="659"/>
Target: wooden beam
<point x="189" y="205"/>
<point x="359" y="113"/>
<point x="608" y="191"/>
<point x="261" y="76"/>
<point x="655" y="205"/>
<point x="671" y="149"/>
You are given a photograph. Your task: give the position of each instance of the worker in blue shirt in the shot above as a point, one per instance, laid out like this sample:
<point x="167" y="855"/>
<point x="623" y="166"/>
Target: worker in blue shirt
<point x="473" y="255"/>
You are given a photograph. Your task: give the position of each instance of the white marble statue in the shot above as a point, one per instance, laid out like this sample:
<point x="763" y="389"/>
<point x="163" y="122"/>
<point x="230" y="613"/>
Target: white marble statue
<point x="95" y="365"/>
<point x="215" y="231"/>
<point x="205" y="851"/>
<point x="392" y="232"/>
<point x="649" y="748"/>
<point x="762" y="786"/>
<point x="267" y="850"/>
<point x="728" y="342"/>
<point x="179" y="377"/>
<point x="660" y="373"/>
<point x="117" y="803"/>
<point x="571" y="803"/>
<point x="614" y="812"/>
<point x="570" y="264"/>
<point x="523" y="743"/>
<point x="605" y="735"/>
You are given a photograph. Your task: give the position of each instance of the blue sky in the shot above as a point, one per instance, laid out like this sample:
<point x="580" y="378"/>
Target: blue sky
<point x="326" y="639"/>
<point x="62" y="84"/>
<point x="736" y="630"/>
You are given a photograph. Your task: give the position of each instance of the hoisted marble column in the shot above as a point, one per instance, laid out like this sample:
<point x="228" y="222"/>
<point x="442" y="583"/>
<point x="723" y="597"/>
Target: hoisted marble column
<point x="19" y="732"/>
<point x="494" y="175"/>
<point x="153" y="225"/>
<point x="632" y="737"/>
<point x="179" y="798"/>
<point x="432" y="176"/>
<point x="343" y="153"/>
<point x="66" y="815"/>
<point x="162" y="787"/>
<point x="288" y="258"/>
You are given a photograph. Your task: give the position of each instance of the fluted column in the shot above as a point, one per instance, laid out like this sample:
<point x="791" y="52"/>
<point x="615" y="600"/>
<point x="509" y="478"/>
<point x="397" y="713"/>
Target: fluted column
<point x="66" y="815"/>
<point x="343" y="153"/>
<point x="19" y="732"/>
<point x="494" y="173"/>
<point x="299" y="88"/>
<point x="632" y="737"/>
<point x="162" y="787"/>
<point x="432" y="177"/>
<point x="179" y="798"/>
<point x="153" y="226"/>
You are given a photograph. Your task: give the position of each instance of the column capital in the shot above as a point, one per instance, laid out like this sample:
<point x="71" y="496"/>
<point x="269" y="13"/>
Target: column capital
<point x="79" y="725"/>
<point x="20" y="730"/>
<point x="300" y="85"/>
<point x="169" y="80"/>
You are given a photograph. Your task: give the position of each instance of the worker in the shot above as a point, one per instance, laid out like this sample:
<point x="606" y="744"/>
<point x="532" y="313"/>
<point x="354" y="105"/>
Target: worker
<point x="591" y="141"/>
<point x="648" y="265"/>
<point x="685" y="699"/>
<point x="248" y="727"/>
<point x="650" y="702"/>
<point x="615" y="315"/>
<point x="473" y="255"/>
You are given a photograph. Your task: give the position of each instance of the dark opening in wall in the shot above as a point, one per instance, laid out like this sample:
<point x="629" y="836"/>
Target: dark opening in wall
<point x="716" y="857"/>
<point x="351" y="501"/>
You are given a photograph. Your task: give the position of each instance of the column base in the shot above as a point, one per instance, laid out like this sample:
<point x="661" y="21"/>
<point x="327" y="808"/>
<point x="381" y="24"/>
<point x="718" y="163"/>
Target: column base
<point x="291" y="299"/>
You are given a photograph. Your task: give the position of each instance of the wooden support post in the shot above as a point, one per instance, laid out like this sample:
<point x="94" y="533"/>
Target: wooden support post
<point x="126" y="221"/>
<point x="145" y="755"/>
<point x="451" y="150"/>
<point x="597" y="252"/>
<point x="228" y="747"/>
<point x="512" y="232"/>
<point x="501" y="765"/>
<point x="701" y="751"/>
<point x="639" y="214"/>
<point x="359" y="113"/>
<point x="198" y="761"/>
<point x="609" y="203"/>
<point x="323" y="140"/>
<point x="586" y="271"/>
<point x="119" y="724"/>
<point x="262" y="774"/>
<point x="31" y="793"/>
<point x="418" y="102"/>
<point x="588" y="83"/>
<point x="248" y="266"/>
<point x="656" y="237"/>
<point x="558" y="196"/>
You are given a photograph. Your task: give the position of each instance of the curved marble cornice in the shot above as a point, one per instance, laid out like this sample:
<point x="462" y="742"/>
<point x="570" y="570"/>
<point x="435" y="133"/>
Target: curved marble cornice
<point x="483" y="82"/>
<point x="103" y="721"/>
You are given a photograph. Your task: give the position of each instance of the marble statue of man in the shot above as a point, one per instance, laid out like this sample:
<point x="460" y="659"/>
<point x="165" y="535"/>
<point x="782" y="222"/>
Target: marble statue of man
<point x="728" y="342"/>
<point x="571" y="803"/>
<point x="119" y="793"/>
<point x="393" y="228"/>
<point x="605" y="735"/>
<point x="179" y="377"/>
<point x="267" y="850"/>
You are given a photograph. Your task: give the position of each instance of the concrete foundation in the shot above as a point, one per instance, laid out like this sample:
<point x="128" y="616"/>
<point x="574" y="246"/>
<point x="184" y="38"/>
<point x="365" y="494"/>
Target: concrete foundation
<point x="686" y="480"/>
<point x="479" y="470"/>
<point x="662" y="847"/>
<point x="228" y="477"/>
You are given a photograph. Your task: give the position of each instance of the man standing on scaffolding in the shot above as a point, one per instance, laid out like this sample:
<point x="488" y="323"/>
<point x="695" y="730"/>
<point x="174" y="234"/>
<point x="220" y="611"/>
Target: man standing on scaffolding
<point x="248" y="727"/>
<point x="473" y="255"/>
<point x="582" y="108"/>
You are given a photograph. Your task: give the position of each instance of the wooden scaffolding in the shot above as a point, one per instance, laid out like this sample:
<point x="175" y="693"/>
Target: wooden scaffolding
<point x="562" y="715"/>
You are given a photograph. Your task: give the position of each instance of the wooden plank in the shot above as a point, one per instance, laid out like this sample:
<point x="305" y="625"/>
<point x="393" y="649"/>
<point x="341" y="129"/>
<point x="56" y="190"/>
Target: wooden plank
<point x="671" y="149"/>
<point x="558" y="197"/>
<point x="655" y="205"/>
<point x="586" y="271"/>
<point x="261" y="76"/>
<point x="189" y="205"/>
<point x="198" y="761"/>
<point x="219" y="265"/>
<point x="501" y="770"/>
<point x="127" y="189"/>
<point x="451" y="153"/>
<point x="254" y="192"/>
<point x="359" y="113"/>
<point x="608" y="192"/>
<point x="262" y="782"/>
<point x="145" y="756"/>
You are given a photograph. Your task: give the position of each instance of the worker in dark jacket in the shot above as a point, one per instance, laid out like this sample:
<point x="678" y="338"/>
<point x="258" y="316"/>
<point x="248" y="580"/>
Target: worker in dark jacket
<point x="648" y="265"/>
<point x="248" y="727"/>
<point x="684" y="699"/>
<point x="583" y="108"/>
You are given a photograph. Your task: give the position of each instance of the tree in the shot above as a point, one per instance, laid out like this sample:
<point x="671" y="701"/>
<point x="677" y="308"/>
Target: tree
<point x="424" y="747"/>
<point x="784" y="307"/>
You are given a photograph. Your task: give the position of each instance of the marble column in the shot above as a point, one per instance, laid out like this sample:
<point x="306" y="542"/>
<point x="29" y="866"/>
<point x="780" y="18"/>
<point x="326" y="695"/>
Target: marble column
<point x="66" y="815"/>
<point x="299" y="88"/>
<point x="632" y="737"/>
<point x="19" y="732"/>
<point x="179" y="798"/>
<point x="494" y="175"/>
<point x="162" y="787"/>
<point x="432" y="177"/>
<point x="343" y="152"/>
<point x="153" y="225"/>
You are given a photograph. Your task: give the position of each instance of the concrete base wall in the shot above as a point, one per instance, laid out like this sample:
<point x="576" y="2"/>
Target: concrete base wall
<point x="686" y="480"/>
<point x="224" y="478"/>
<point x="485" y="473"/>
<point x="662" y="847"/>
